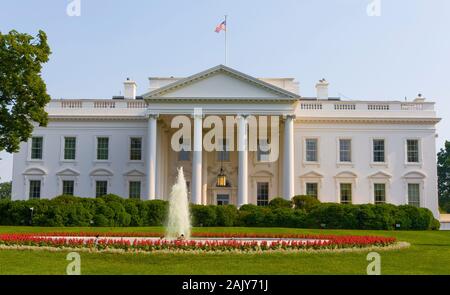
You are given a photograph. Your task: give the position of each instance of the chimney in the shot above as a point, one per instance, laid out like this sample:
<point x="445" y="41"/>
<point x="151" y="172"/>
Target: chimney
<point x="322" y="89"/>
<point x="419" y="98"/>
<point x="129" y="89"/>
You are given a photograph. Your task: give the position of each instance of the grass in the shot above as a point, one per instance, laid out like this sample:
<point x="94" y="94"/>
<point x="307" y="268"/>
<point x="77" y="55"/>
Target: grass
<point x="429" y="254"/>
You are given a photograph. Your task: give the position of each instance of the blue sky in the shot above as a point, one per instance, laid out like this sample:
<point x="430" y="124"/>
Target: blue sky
<point x="404" y="51"/>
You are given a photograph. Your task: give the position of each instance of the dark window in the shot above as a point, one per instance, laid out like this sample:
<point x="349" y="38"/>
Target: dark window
<point x="68" y="187"/>
<point x="223" y="199"/>
<point x="345" y="150"/>
<point x="101" y="188"/>
<point x="70" y="148"/>
<point x="311" y="149"/>
<point x="262" y="194"/>
<point x="224" y="154"/>
<point x="414" y="194"/>
<point x="311" y="189"/>
<point x="263" y="151"/>
<point x="379" y="193"/>
<point x="378" y="150"/>
<point x="135" y="190"/>
<point x="36" y="148"/>
<point x="136" y="149"/>
<point x="102" y="148"/>
<point x="412" y="146"/>
<point x="184" y="154"/>
<point x="35" y="189"/>
<point x="346" y="193"/>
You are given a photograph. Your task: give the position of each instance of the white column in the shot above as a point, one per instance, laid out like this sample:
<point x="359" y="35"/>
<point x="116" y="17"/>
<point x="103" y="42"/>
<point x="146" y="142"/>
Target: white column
<point x="205" y="179"/>
<point x="151" y="161"/>
<point x="288" y="158"/>
<point x="196" y="190"/>
<point x="243" y="161"/>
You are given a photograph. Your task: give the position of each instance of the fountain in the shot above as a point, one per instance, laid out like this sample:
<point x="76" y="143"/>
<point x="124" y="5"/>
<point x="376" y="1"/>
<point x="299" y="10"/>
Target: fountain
<point x="179" y="220"/>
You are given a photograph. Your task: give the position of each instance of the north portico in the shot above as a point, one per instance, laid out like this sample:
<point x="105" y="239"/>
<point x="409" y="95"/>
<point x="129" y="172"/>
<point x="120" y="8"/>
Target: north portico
<point x="225" y="93"/>
<point x="351" y="151"/>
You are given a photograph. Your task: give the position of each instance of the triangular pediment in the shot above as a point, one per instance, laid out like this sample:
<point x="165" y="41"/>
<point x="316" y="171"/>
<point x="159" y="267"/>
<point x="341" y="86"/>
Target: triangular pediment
<point x="68" y="172"/>
<point x="134" y="172"/>
<point x="346" y="174"/>
<point x="220" y="82"/>
<point x="311" y="174"/>
<point x="380" y="175"/>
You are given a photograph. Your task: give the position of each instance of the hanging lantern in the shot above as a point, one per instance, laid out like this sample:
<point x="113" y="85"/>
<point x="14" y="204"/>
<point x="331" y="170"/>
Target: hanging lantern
<point x="221" y="179"/>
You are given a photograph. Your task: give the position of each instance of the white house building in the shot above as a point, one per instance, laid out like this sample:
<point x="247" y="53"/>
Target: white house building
<point x="351" y="151"/>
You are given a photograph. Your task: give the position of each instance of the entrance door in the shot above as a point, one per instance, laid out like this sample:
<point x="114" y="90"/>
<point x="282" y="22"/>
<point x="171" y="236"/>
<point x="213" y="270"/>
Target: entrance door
<point x="223" y="199"/>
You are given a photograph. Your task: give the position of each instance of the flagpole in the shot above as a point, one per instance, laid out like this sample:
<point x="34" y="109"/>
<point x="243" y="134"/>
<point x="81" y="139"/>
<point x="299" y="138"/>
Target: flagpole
<point x="226" y="29"/>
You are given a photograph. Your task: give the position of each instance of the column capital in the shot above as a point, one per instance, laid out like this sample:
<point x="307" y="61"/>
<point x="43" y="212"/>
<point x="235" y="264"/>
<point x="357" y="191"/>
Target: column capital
<point x="289" y="117"/>
<point x="198" y="113"/>
<point x="152" y="115"/>
<point x="244" y="116"/>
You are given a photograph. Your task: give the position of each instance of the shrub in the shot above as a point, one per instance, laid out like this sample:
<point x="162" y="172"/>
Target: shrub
<point x="203" y="215"/>
<point x="280" y="203"/>
<point x="304" y="202"/>
<point x="331" y="215"/>
<point x="226" y="215"/>
<point x="155" y="211"/>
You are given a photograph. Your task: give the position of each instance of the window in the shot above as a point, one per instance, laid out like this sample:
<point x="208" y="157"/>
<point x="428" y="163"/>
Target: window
<point x="311" y="189"/>
<point x="101" y="188"/>
<point x="36" y="148"/>
<point x="35" y="189"/>
<point x="345" y="150"/>
<point x="70" y="148"/>
<point x="135" y="190"/>
<point x="346" y="193"/>
<point x="136" y="149"/>
<point x="223" y="199"/>
<point x="68" y="187"/>
<point x="102" y="148"/>
<point x="311" y="149"/>
<point x="224" y="154"/>
<point x="262" y="194"/>
<point x="184" y="154"/>
<point x="412" y="150"/>
<point x="263" y="151"/>
<point x="378" y="151"/>
<point x="379" y="193"/>
<point x="414" y="194"/>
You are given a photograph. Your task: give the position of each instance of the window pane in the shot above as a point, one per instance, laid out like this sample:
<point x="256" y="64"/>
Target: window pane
<point x="263" y="151"/>
<point x="224" y="154"/>
<point x="311" y="189"/>
<point x="346" y="193"/>
<point x="35" y="189"/>
<point x="69" y="148"/>
<point x="184" y="154"/>
<point x="102" y="148"/>
<point x="68" y="186"/>
<point x="311" y="150"/>
<point x="414" y="194"/>
<point x="262" y="198"/>
<point x="378" y="150"/>
<point x="36" y="148"/>
<point x="101" y="188"/>
<point x="380" y="193"/>
<point x="412" y="146"/>
<point x="136" y="149"/>
<point x="345" y="151"/>
<point x="223" y="199"/>
<point x="135" y="190"/>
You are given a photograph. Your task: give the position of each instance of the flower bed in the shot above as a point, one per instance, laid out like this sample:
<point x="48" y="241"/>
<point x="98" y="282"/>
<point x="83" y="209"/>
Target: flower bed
<point x="229" y="242"/>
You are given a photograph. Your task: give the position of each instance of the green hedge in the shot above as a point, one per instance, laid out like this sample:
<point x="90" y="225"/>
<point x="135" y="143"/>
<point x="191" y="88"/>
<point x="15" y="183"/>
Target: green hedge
<point x="302" y="212"/>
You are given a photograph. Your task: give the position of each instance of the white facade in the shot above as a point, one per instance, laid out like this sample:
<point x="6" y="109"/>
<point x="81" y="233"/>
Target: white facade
<point x="385" y="148"/>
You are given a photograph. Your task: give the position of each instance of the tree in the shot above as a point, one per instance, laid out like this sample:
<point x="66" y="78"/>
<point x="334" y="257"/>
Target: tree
<point x="23" y="93"/>
<point x="443" y="168"/>
<point x="5" y="190"/>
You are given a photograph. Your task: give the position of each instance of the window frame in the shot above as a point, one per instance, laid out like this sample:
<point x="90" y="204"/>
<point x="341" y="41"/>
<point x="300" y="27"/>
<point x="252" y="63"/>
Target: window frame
<point x="305" y="150"/>
<point x="374" y="191"/>
<point x="258" y="201"/>
<point x="63" y="148"/>
<point x="30" y="181"/>
<point x="62" y="186"/>
<point x="96" y="148"/>
<point x="130" y="148"/>
<point x="130" y="188"/>
<point x="30" y="149"/>
<point x="419" y="191"/>
<point x="373" y="162"/>
<point x="338" y="148"/>
<point x="351" y="192"/>
<point x="317" y="188"/>
<point x="106" y="187"/>
<point x="419" y="151"/>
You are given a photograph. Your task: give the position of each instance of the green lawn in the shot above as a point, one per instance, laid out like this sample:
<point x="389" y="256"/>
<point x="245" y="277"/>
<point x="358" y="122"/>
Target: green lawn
<point x="429" y="254"/>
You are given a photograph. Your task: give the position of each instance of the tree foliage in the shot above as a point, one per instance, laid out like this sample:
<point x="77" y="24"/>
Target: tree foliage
<point x="23" y="93"/>
<point x="443" y="168"/>
<point x="5" y="190"/>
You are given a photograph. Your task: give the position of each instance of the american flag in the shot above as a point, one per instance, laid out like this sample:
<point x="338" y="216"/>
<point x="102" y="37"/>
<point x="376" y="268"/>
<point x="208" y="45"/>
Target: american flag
<point x="221" y="27"/>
